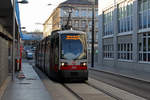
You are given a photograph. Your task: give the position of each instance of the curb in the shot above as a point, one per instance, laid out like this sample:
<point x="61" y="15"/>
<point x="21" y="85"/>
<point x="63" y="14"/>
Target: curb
<point x="111" y="72"/>
<point x="4" y="86"/>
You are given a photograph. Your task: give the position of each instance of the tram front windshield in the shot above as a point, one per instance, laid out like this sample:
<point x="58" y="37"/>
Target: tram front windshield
<point x="73" y="46"/>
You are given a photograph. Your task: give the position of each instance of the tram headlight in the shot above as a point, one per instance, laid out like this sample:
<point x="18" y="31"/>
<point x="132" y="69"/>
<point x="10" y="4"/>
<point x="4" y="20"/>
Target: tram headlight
<point x="84" y="64"/>
<point x="63" y="64"/>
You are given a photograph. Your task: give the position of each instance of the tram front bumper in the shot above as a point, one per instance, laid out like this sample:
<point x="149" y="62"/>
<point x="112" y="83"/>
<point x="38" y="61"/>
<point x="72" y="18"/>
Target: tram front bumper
<point x="74" y="74"/>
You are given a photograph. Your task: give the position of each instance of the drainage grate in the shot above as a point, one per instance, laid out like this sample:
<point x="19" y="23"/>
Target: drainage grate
<point x="30" y="78"/>
<point x="24" y="83"/>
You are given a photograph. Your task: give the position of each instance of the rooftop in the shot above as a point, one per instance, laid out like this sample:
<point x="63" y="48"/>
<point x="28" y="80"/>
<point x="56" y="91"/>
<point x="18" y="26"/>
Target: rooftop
<point x="81" y="2"/>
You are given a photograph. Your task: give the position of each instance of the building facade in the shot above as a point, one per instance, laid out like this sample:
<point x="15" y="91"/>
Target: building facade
<point x="6" y="37"/>
<point x="81" y="17"/>
<point x="124" y="34"/>
<point x="47" y="27"/>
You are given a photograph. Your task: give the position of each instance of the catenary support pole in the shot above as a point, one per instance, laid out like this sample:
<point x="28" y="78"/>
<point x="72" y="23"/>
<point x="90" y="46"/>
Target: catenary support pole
<point x="93" y="30"/>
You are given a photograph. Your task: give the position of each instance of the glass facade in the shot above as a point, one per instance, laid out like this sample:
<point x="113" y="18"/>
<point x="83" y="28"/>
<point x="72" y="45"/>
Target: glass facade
<point x="125" y="15"/>
<point x="144" y="14"/>
<point x="125" y="37"/>
<point x="108" y="22"/>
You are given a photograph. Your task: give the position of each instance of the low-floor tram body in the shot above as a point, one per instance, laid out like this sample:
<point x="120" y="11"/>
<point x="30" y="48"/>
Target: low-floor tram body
<point x="63" y="55"/>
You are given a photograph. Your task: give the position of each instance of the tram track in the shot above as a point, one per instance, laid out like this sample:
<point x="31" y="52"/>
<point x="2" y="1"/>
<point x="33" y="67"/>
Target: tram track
<point x="69" y="91"/>
<point x="75" y="94"/>
<point x="108" y="90"/>
<point x="108" y="93"/>
<point x="95" y="93"/>
<point x="124" y="83"/>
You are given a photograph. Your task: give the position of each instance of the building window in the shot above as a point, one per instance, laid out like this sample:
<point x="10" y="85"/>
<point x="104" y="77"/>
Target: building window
<point x="76" y="23"/>
<point x="76" y="13"/>
<point x="108" y="22"/>
<point x="90" y="24"/>
<point x="96" y="35"/>
<point x="73" y="13"/>
<point x="144" y="48"/>
<point x="90" y="13"/>
<point x="96" y="24"/>
<point x="83" y="23"/>
<point x="64" y="22"/>
<point x="144" y="14"/>
<point x="89" y="36"/>
<point x="83" y="13"/>
<point x="61" y="12"/>
<point x="70" y="23"/>
<point x="96" y="12"/>
<point x="125" y="51"/>
<point x="108" y="51"/>
<point x="125" y="16"/>
<point x="64" y="13"/>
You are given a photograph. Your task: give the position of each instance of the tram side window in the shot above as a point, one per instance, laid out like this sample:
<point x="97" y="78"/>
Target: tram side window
<point x="52" y="56"/>
<point x="56" y="50"/>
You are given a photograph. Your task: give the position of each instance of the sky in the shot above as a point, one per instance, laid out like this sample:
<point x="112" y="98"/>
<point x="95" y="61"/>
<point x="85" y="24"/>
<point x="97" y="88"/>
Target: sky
<point x="36" y="11"/>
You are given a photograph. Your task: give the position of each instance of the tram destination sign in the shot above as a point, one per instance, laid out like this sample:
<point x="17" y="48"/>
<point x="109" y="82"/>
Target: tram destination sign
<point x="70" y="37"/>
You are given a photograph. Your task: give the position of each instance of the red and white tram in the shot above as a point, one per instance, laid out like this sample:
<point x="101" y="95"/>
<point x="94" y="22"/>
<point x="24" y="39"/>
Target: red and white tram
<point x="63" y="55"/>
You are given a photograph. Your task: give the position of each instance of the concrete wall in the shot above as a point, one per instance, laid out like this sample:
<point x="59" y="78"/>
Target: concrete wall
<point x="131" y="66"/>
<point x="108" y="63"/>
<point x="127" y="66"/>
<point x="3" y="59"/>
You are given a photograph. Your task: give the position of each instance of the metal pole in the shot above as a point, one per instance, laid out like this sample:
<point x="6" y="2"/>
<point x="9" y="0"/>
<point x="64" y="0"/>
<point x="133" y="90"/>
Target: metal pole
<point x="92" y="44"/>
<point x="13" y="53"/>
<point x="18" y="53"/>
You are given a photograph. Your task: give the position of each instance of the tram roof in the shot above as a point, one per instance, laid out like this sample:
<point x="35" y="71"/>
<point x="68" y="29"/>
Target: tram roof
<point x="69" y="31"/>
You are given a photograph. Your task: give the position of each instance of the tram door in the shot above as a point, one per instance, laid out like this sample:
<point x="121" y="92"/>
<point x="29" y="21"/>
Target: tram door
<point x="55" y="53"/>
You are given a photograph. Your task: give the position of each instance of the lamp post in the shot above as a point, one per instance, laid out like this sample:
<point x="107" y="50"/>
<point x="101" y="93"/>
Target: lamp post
<point x="93" y="30"/>
<point x="49" y="4"/>
<point x="14" y="31"/>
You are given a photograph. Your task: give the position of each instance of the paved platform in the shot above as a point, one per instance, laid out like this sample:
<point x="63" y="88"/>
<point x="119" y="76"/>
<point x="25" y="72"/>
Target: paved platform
<point x="139" y="75"/>
<point x="26" y="86"/>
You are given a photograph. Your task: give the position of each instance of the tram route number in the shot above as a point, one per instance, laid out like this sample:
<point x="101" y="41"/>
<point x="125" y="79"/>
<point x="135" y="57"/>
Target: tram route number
<point x="74" y="67"/>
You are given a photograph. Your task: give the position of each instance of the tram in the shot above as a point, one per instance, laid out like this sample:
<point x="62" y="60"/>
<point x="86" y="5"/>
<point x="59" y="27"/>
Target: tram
<point x="63" y="55"/>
